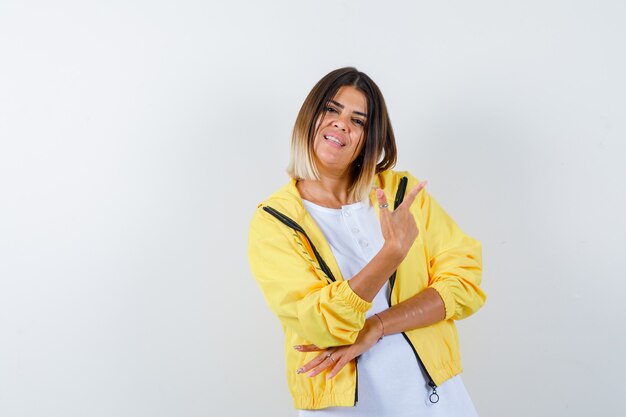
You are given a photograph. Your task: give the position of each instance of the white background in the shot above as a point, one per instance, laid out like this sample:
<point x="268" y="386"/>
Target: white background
<point x="137" y="137"/>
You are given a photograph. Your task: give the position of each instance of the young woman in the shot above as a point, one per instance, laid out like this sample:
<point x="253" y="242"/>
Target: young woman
<point x="365" y="271"/>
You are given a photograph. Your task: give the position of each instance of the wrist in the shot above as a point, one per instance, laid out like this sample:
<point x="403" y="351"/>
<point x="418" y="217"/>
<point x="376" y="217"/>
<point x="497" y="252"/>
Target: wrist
<point x="392" y="253"/>
<point x="376" y="327"/>
<point x="382" y="327"/>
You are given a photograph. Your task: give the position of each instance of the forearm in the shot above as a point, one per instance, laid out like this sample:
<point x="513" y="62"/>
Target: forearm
<point x="373" y="276"/>
<point x="421" y="310"/>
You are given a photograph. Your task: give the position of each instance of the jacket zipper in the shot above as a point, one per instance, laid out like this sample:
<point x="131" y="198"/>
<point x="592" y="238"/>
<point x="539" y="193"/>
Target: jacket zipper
<point x="433" y="397"/>
<point x="356" y="377"/>
<point x="295" y="226"/>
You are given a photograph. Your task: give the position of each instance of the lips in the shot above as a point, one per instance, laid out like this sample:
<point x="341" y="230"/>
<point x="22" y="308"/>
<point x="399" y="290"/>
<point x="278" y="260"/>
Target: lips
<point x="333" y="140"/>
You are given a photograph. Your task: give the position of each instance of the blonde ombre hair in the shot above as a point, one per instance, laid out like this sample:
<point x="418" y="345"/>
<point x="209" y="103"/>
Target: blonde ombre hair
<point x="378" y="152"/>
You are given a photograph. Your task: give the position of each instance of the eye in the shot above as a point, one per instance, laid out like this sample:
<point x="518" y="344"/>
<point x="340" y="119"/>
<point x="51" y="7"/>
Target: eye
<point x="330" y="109"/>
<point x="359" y="122"/>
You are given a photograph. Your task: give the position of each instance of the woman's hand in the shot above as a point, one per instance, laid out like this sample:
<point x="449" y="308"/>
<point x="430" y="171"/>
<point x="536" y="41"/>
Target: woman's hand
<point x="398" y="226"/>
<point x="337" y="357"/>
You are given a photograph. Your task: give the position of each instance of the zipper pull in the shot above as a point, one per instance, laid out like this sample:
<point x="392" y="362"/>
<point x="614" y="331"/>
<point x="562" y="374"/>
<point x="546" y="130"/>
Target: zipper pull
<point x="433" y="397"/>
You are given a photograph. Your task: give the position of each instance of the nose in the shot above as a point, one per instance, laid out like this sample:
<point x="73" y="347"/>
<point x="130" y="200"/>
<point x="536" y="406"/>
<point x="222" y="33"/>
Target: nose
<point x="339" y="123"/>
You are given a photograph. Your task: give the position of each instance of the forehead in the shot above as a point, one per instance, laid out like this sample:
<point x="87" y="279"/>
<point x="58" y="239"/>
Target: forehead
<point x="351" y="98"/>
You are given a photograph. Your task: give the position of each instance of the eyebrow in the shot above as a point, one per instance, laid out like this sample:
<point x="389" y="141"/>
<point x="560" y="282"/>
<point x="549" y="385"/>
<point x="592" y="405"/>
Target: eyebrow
<point x="341" y="106"/>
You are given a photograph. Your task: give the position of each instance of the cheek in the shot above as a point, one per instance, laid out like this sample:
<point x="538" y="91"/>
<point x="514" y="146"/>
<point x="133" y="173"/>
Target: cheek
<point x="359" y="139"/>
<point x="320" y="120"/>
<point x="358" y="146"/>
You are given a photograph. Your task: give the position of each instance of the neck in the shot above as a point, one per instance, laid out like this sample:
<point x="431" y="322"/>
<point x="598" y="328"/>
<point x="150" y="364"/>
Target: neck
<point x="329" y="191"/>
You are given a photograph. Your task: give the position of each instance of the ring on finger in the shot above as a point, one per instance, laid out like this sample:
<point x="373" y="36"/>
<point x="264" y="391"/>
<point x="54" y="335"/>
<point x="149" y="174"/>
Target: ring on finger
<point x="383" y="205"/>
<point x="330" y="356"/>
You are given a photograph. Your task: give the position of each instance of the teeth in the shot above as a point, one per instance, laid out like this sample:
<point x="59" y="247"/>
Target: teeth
<point x="332" y="139"/>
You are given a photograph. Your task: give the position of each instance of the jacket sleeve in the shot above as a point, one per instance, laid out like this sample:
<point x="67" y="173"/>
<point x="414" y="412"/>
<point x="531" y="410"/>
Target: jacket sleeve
<point x="455" y="260"/>
<point x="297" y="292"/>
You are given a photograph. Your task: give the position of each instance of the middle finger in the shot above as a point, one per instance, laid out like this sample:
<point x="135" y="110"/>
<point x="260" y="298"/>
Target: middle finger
<point x="328" y="362"/>
<point x="314" y="362"/>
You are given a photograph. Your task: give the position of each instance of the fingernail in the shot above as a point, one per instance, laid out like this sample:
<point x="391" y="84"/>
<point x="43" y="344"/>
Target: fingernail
<point x="298" y="347"/>
<point x="299" y="370"/>
<point x="311" y="374"/>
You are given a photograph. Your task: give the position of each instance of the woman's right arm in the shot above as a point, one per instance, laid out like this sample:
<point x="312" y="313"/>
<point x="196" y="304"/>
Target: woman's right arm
<point x="298" y="293"/>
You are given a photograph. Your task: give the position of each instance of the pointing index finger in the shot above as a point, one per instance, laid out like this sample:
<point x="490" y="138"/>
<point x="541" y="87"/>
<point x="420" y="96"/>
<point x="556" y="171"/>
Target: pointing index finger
<point x="411" y="195"/>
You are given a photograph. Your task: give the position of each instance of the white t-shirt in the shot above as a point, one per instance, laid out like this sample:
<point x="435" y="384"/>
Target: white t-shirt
<point x="390" y="380"/>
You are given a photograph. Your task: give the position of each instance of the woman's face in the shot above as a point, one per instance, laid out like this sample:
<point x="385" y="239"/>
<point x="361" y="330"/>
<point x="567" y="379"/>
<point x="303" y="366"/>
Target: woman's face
<point x="340" y="131"/>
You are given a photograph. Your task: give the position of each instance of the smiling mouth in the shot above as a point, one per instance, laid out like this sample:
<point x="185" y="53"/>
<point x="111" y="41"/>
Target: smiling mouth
<point x="333" y="139"/>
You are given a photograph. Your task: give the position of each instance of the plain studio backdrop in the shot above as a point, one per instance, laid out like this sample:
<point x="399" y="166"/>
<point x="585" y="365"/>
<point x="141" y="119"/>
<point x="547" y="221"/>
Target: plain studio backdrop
<point x="138" y="137"/>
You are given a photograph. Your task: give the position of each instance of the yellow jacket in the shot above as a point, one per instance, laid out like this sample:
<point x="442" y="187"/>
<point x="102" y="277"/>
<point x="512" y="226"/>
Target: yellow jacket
<point x="315" y="305"/>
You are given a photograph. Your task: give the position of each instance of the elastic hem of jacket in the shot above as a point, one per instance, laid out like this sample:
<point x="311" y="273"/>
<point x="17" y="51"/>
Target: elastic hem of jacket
<point x="353" y="300"/>
<point x="448" y="299"/>
<point x="440" y="376"/>
<point x="305" y="402"/>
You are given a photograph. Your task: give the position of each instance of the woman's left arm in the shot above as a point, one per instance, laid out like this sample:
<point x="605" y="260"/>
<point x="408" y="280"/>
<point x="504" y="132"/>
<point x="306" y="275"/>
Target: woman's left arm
<point x="454" y="261"/>
<point x="420" y="310"/>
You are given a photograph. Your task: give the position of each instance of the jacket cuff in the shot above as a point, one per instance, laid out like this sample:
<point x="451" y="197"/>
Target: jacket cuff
<point x="351" y="298"/>
<point x="446" y="296"/>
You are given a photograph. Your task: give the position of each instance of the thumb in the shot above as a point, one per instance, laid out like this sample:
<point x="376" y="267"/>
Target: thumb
<point x="306" y="348"/>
